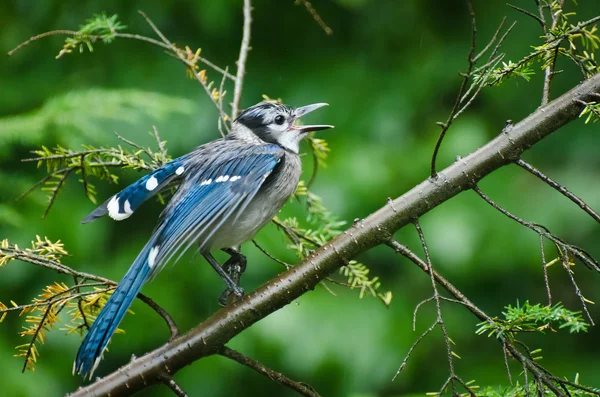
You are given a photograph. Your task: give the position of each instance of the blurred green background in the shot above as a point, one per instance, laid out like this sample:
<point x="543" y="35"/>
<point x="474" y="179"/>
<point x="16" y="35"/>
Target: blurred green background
<point x="389" y="72"/>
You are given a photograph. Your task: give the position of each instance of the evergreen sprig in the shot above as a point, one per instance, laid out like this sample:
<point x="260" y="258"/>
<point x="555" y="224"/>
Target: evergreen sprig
<point x="99" y="27"/>
<point x="533" y="318"/>
<point x="99" y="162"/>
<point x="83" y="301"/>
<point x="577" y="42"/>
<point x="533" y="389"/>
<point x="324" y="227"/>
<point x="592" y="110"/>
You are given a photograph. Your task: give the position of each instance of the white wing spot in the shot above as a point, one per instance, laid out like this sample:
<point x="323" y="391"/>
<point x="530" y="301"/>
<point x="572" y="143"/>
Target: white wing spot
<point x="235" y="178"/>
<point x="179" y="170"/>
<point x="151" y="183"/>
<point x="127" y="208"/>
<point x="206" y="182"/>
<point x="222" y="178"/>
<point x="113" y="209"/>
<point x="152" y="256"/>
<point x="225" y="178"/>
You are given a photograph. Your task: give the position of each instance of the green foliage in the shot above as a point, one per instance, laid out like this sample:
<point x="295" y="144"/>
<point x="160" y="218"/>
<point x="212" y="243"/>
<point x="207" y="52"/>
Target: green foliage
<point x="532" y="389"/>
<point x="577" y="42"/>
<point x="533" y="318"/>
<point x="98" y="162"/>
<point x="592" y="110"/>
<point x="44" y="248"/>
<point x="508" y="70"/>
<point x="99" y="27"/>
<point x="82" y="301"/>
<point x="83" y="112"/>
<point x="323" y="227"/>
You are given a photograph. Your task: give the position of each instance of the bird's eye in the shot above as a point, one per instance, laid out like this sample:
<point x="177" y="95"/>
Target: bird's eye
<point x="279" y="119"/>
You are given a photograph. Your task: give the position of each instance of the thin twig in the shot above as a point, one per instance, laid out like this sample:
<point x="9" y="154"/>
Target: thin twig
<point x="222" y="119"/>
<point x="545" y="270"/>
<point x="565" y="263"/>
<point x="316" y="17"/>
<point x="159" y="143"/>
<point x="55" y="191"/>
<point x="178" y="54"/>
<point x="175" y="388"/>
<point x="505" y="353"/>
<point x="580" y="253"/>
<point x="463" y="85"/>
<point x="79" y="305"/>
<point x="161" y="312"/>
<point x="438" y="306"/>
<point x="41" y="182"/>
<point x="42" y="325"/>
<point x="528" y="13"/>
<point x="285" y="264"/>
<point x="412" y="347"/>
<point x="65" y="156"/>
<point x="94" y="38"/>
<point x="300" y="387"/>
<point x="135" y="145"/>
<point x="559" y="188"/>
<point x="552" y="54"/>
<point x="41" y="36"/>
<point x="241" y="62"/>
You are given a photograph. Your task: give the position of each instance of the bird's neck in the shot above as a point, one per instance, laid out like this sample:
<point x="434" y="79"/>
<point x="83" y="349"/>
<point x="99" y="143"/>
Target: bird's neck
<point x="241" y="132"/>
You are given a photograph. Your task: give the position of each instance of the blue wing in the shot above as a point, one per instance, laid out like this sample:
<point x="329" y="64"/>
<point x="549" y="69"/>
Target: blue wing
<point x="123" y="204"/>
<point x="205" y="202"/>
<point x="207" y="197"/>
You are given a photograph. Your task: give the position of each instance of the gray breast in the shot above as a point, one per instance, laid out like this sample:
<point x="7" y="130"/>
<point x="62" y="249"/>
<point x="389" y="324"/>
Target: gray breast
<point x="273" y="194"/>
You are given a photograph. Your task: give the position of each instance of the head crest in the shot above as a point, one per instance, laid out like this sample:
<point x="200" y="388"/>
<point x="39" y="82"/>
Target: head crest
<point x="257" y="115"/>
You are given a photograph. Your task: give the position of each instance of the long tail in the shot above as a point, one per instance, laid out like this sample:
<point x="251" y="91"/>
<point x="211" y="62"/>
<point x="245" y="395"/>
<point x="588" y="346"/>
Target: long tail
<point x="98" y="336"/>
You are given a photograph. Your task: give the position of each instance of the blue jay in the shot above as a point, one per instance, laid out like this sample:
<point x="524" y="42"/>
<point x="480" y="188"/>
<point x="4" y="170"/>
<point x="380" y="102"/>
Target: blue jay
<point x="228" y="190"/>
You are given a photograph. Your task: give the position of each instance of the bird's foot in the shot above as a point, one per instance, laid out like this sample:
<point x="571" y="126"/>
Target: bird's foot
<point x="231" y="295"/>
<point x="234" y="267"/>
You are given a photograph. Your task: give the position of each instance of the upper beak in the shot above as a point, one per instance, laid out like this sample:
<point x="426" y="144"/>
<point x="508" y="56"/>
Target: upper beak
<point x="304" y="110"/>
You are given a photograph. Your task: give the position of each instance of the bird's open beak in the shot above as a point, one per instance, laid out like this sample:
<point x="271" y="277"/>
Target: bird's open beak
<point x="304" y="110"/>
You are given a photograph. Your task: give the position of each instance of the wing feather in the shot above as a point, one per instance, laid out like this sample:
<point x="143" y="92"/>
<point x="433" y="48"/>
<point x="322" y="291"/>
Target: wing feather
<point x="200" y="209"/>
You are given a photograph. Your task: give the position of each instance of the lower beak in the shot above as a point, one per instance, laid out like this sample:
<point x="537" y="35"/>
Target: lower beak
<point x="304" y="110"/>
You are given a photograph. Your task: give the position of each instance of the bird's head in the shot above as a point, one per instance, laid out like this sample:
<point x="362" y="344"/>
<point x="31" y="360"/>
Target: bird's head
<point x="275" y="123"/>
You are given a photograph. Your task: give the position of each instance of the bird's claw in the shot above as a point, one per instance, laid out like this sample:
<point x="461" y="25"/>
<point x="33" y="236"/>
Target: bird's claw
<point x="230" y="295"/>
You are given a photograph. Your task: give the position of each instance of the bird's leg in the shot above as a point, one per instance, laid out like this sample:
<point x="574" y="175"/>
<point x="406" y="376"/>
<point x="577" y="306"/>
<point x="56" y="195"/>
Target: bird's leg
<point x="232" y="286"/>
<point x="234" y="267"/>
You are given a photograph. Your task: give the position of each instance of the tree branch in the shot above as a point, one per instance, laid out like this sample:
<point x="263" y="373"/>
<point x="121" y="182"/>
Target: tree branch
<point x="209" y="337"/>
<point x="241" y="62"/>
<point x="278" y="377"/>
<point x="559" y="188"/>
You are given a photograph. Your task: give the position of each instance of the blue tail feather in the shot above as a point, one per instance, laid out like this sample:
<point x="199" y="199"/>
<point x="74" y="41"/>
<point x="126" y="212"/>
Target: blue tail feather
<point x="99" y="334"/>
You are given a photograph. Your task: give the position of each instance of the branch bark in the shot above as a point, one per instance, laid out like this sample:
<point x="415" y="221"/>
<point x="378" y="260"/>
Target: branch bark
<point x="208" y="337"/>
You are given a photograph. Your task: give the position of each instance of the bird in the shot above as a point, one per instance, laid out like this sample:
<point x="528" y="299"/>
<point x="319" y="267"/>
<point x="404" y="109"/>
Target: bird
<point x="228" y="190"/>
